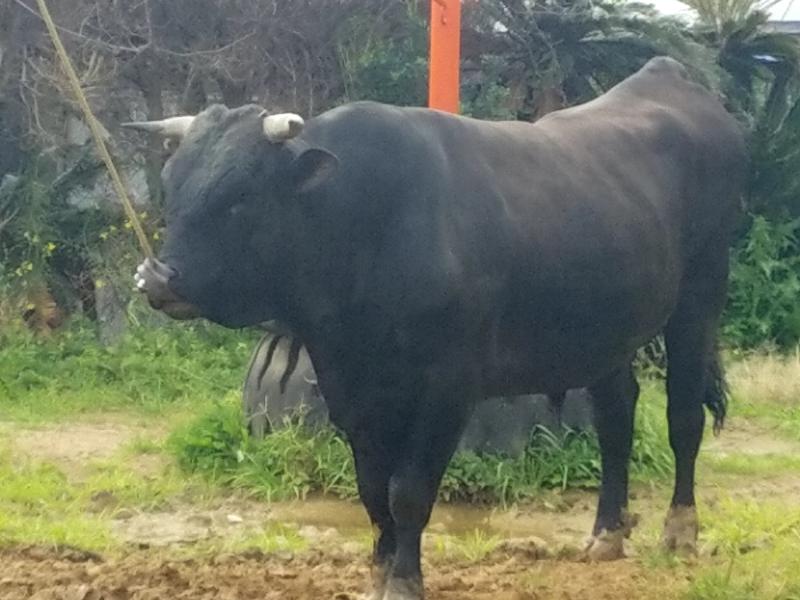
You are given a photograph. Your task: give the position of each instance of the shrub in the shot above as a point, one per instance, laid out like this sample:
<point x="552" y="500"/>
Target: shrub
<point x="765" y="285"/>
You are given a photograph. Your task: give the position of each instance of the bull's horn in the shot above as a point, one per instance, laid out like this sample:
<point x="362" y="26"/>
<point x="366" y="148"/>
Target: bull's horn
<point x="173" y="127"/>
<point x="282" y="127"/>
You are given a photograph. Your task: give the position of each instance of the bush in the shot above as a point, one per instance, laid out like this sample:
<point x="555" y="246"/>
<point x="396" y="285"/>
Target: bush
<point x="765" y="285"/>
<point x="383" y="66"/>
<point x="289" y="463"/>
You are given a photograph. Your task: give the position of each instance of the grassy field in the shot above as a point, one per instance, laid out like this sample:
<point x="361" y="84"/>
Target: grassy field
<point x="104" y="448"/>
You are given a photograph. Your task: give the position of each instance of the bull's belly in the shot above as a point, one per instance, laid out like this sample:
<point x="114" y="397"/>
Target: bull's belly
<point x="553" y="355"/>
<point x="550" y="369"/>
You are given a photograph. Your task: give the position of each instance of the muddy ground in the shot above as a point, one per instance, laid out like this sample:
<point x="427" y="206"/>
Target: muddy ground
<point x="39" y="574"/>
<point x="535" y="551"/>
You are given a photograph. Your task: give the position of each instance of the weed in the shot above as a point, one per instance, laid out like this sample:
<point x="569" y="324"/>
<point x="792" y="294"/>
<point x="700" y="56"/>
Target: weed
<point x="472" y="547"/>
<point x="289" y="463"/>
<point x="758" y="545"/>
<point x="294" y="462"/>
<point x="765" y="281"/>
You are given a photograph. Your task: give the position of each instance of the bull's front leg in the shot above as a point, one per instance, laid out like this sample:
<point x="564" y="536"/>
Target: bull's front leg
<point x="403" y="416"/>
<point x="374" y="420"/>
<point x="441" y="413"/>
<point x="375" y="460"/>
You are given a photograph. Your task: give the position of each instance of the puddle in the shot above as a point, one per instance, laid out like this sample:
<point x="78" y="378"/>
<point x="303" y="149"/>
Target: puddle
<point x="350" y="519"/>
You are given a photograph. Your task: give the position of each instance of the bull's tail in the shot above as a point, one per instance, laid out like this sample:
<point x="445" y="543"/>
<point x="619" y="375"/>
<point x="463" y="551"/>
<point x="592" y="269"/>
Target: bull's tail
<point x="716" y="394"/>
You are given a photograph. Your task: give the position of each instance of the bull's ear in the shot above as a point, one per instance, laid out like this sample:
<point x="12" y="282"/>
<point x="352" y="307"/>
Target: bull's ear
<point x="312" y="168"/>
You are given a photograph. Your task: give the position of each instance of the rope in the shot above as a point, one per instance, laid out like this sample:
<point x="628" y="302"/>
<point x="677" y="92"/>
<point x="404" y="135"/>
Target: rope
<point x="96" y="130"/>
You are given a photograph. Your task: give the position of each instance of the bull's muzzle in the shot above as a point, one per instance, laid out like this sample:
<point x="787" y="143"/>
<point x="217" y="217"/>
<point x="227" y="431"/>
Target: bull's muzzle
<point x="152" y="279"/>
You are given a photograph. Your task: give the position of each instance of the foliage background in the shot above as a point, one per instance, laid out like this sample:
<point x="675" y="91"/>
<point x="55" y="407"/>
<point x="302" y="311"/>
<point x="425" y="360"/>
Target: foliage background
<point x="65" y="248"/>
<point x="73" y="336"/>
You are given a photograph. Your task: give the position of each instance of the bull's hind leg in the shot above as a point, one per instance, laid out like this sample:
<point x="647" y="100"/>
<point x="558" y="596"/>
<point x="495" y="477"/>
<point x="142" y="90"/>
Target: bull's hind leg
<point x="693" y="379"/>
<point x="614" y="408"/>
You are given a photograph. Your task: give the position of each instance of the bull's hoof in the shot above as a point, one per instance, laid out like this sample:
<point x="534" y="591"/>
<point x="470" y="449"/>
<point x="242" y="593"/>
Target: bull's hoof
<point x="606" y="545"/>
<point x="629" y="521"/>
<point x="403" y="589"/>
<point x="680" y="530"/>
<point x="375" y="594"/>
<point x="379" y="575"/>
<point x="609" y="545"/>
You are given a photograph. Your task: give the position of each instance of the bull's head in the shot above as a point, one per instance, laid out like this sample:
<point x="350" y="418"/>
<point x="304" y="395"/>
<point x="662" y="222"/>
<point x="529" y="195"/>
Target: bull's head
<point x="230" y="186"/>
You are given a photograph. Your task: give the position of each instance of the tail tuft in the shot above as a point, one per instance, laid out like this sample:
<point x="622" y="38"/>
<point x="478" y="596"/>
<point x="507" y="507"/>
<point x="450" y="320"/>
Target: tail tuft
<point x="716" y="396"/>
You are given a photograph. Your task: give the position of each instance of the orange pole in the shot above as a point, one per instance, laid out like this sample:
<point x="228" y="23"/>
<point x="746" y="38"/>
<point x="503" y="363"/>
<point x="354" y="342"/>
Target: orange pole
<point x="445" y="54"/>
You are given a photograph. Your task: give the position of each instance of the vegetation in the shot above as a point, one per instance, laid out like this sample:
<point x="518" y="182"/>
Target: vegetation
<point x="294" y="462"/>
<point x="66" y="255"/>
<point x="149" y="369"/>
<point x="765" y="284"/>
<point x="757" y="547"/>
<point x="64" y="249"/>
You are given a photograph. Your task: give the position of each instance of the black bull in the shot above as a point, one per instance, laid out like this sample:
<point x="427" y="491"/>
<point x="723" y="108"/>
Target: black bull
<point x="427" y="261"/>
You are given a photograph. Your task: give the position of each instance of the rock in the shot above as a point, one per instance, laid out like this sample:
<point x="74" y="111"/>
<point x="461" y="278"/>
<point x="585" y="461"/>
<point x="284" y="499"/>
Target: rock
<point x="527" y="548"/>
<point x="124" y="514"/>
<point x="234" y="519"/>
<point x="111" y="317"/>
<point x="352" y="548"/>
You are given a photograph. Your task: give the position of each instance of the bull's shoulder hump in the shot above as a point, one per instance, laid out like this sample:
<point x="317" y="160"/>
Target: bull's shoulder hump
<point x="362" y="112"/>
<point x="372" y="124"/>
<point x="665" y="66"/>
<point x="662" y="80"/>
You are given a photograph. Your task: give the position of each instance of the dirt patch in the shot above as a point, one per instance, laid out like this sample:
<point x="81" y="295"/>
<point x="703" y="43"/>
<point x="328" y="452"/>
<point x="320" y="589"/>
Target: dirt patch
<point x="73" y="447"/>
<point x="187" y="524"/>
<point x="743" y="437"/>
<point x="37" y="574"/>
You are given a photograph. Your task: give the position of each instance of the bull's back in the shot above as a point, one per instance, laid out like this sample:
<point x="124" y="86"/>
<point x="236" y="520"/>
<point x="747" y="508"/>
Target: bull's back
<point x="571" y="233"/>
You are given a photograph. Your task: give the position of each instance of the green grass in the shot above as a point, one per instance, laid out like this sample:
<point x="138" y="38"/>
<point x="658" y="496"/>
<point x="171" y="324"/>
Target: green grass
<point x="293" y="462"/>
<point x="144" y="445"/>
<point x="472" y="547"/>
<point x="148" y="371"/>
<point x="40" y="504"/>
<point x="758" y="465"/>
<point x="766" y="389"/>
<point x="273" y="537"/>
<point x="184" y="384"/>
<point x="37" y="505"/>
<point x="164" y="375"/>
<point x="289" y="463"/>
<point x="756" y="553"/>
